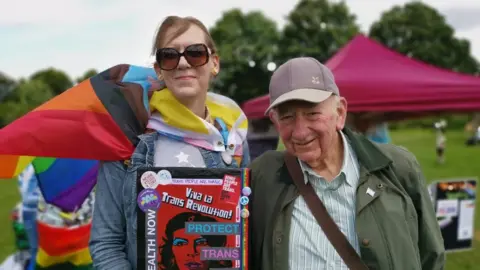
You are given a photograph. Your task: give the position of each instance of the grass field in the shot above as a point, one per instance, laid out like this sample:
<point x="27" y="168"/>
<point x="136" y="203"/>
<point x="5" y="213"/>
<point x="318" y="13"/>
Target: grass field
<point x="461" y="161"/>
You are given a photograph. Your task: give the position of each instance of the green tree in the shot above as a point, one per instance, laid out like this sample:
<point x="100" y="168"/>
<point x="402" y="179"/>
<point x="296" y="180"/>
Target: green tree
<point x="6" y="86"/>
<point x="56" y="79"/>
<point x="27" y="96"/>
<point x="421" y="32"/>
<point x="88" y="74"/>
<point x="317" y="28"/>
<point x="246" y="44"/>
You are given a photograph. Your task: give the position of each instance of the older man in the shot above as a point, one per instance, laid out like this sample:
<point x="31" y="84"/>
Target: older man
<point x="374" y="193"/>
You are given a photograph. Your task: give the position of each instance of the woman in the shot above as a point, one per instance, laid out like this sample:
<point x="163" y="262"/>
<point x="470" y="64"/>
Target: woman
<point x="188" y="127"/>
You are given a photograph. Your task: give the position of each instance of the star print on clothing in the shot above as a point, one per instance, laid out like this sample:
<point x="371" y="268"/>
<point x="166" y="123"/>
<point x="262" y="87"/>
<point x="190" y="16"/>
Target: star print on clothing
<point x="182" y="158"/>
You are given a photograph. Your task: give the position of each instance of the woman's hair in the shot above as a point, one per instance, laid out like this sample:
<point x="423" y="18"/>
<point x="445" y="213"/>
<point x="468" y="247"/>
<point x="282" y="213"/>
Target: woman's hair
<point x="181" y="25"/>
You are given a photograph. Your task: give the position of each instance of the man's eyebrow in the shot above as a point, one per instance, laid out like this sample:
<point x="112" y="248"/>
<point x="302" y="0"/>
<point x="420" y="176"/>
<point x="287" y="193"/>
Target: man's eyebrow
<point x="281" y="111"/>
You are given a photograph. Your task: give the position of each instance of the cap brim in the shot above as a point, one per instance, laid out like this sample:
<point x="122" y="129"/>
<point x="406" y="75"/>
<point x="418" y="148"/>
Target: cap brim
<point x="309" y="95"/>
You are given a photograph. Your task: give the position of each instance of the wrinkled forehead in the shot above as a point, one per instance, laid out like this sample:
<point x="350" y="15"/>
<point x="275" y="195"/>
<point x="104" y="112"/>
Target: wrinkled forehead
<point x="179" y="38"/>
<point x="295" y="105"/>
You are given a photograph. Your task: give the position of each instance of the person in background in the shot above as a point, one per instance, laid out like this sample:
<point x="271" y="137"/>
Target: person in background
<point x="20" y="259"/>
<point x="441" y="141"/>
<point x="375" y="193"/>
<point x="30" y="194"/>
<point x="379" y="133"/>
<point x="477" y="135"/>
<point x="189" y="127"/>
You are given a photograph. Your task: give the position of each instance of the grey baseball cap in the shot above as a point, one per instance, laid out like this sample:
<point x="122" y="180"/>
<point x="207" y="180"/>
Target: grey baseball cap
<point x="302" y="78"/>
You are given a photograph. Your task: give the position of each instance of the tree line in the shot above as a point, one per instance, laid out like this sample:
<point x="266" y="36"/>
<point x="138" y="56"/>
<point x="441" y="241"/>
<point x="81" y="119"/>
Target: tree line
<point x="247" y="42"/>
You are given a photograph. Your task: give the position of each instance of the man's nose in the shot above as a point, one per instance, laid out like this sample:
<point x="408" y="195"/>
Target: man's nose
<point x="300" y="128"/>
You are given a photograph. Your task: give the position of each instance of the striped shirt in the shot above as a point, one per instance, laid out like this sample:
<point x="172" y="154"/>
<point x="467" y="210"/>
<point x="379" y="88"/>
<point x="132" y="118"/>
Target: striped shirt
<point x="309" y="247"/>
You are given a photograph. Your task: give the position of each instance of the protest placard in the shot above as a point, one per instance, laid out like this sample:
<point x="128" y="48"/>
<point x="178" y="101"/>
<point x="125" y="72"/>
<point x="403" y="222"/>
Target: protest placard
<point x="192" y="218"/>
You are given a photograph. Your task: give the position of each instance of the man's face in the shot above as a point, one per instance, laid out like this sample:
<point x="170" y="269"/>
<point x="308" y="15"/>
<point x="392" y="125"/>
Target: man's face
<point x="308" y="129"/>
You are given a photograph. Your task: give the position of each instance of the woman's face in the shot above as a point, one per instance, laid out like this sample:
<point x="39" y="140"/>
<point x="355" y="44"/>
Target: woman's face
<point x="187" y="82"/>
<point x="186" y="250"/>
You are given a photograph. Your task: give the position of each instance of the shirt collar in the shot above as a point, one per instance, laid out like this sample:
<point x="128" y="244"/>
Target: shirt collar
<point x="343" y="171"/>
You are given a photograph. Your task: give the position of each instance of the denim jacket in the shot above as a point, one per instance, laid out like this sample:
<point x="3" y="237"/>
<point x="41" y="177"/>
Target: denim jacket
<point x="113" y="237"/>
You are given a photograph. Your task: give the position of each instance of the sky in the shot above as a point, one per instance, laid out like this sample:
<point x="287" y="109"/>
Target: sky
<point x="76" y="35"/>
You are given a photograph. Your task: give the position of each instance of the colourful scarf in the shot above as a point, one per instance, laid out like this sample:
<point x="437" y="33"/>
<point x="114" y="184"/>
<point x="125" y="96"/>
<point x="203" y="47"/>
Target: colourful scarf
<point x="173" y="119"/>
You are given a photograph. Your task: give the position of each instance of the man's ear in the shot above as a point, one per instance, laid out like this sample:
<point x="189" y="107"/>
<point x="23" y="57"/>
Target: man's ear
<point x="273" y="117"/>
<point x="342" y="113"/>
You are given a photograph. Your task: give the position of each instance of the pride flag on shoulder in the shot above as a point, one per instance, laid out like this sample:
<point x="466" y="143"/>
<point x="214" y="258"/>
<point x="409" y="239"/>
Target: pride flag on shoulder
<point x="101" y="118"/>
<point x="98" y="119"/>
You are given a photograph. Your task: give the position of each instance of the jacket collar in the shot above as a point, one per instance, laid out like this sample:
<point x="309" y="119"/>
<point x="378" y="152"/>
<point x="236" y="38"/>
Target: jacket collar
<point x="368" y="154"/>
<point x="370" y="157"/>
<point x="347" y="155"/>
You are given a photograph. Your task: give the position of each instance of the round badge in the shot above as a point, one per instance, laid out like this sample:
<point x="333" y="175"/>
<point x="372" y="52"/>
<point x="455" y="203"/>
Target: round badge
<point x="149" y="180"/>
<point x="244" y="200"/>
<point x="244" y="213"/>
<point x="246" y="191"/>
<point x="164" y="177"/>
<point x="148" y="199"/>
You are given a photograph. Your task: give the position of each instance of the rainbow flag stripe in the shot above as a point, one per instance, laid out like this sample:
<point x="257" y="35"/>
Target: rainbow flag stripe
<point x="99" y="118"/>
<point x="63" y="247"/>
<point x="12" y="166"/>
<point x="244" y="222"/>
<point x="65" y="183"/>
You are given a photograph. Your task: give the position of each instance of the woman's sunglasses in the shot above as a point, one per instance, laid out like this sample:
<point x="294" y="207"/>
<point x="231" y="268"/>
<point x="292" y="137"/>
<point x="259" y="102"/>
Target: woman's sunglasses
<point x="196" y="55"/>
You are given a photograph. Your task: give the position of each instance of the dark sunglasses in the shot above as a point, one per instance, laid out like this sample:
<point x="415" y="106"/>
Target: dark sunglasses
<point x="196" y="55"/>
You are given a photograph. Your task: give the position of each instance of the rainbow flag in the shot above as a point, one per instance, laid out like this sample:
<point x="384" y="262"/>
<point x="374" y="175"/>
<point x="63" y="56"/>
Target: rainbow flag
<point x="12" y="166"/>
<point x="98" y="119"/>
<point x="63" y="247"/>
<point x="65" y="183"/>
<point x="101" y="118"/>
<point x="63" y="237"/>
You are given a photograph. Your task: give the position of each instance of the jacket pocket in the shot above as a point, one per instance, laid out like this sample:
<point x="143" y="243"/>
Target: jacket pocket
<point x="384" y="240"/>
<point x="393" y="216"/>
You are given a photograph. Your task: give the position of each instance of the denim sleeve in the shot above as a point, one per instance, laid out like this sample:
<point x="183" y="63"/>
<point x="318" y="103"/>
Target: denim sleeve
<point x="108" y="233"/>
<point x="246" y="155"/>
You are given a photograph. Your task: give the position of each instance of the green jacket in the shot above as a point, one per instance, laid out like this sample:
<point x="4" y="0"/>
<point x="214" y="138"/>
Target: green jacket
<point x="397" y="227"/>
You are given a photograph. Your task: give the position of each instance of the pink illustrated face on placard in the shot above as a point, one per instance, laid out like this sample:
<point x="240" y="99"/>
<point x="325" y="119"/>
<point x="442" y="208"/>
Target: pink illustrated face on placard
<point x="186" y="250"/>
